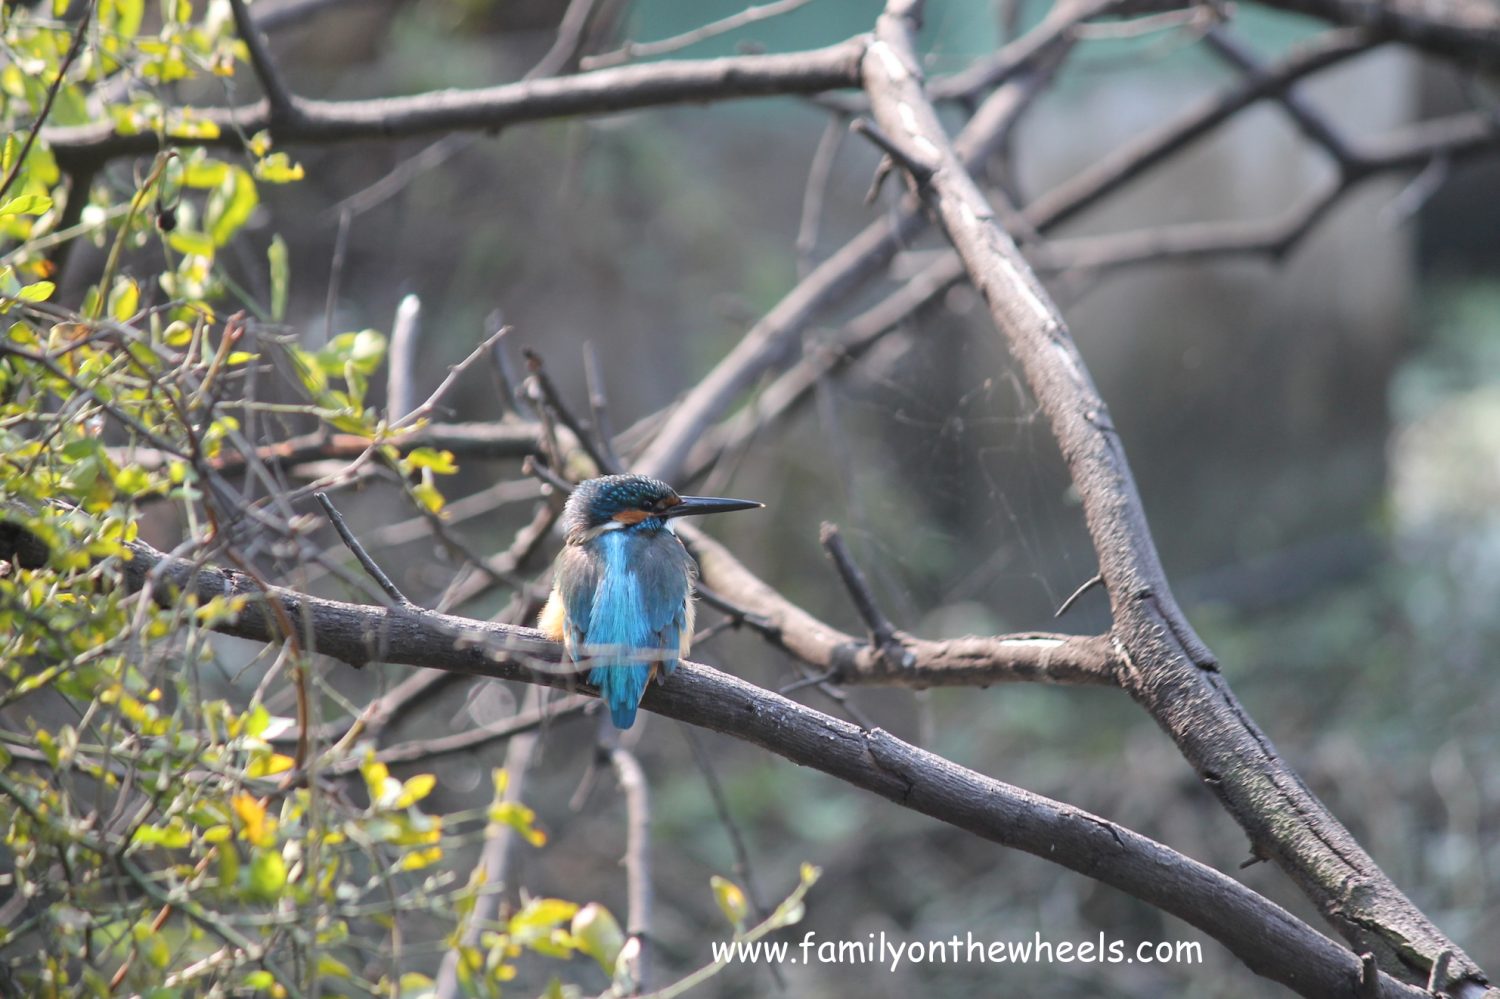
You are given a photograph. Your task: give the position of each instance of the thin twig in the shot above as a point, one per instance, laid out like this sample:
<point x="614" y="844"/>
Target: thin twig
<point x="278" y="95"/>
<point x="816" y="192"/>
<point x="742" y="869"/>
<point x="1309" y="119"/>
<point x="650" y="50"/>
<point x="528" y="719"/>
<point x="604" y="432"/>
<point x="572" y="33"/>
<point x="1088" y="584"/>
<point x="368" y="563"/>
<point x="909" y="161"/>
<point x="546" y="474"/>
<point x="336" y="272"/>
<point x="552" y="400"/>
<point x="454" y="374"/>
<point x="52" y="89"/>
<point x="882" y="631"/>
<point x="507" y="381"/>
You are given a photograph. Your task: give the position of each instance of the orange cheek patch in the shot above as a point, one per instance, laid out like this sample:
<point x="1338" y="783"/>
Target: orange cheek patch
<point x="631" y="516"/>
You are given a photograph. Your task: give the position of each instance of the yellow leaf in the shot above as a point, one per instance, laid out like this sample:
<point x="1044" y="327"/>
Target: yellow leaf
<point x="415" y="789"/>
<point x="731" y="899"/>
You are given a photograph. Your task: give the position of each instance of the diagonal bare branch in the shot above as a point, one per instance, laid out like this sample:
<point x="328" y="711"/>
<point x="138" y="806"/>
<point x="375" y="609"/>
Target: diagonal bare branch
<point x="1282" y="947"/>
<point x="1167" y="668"/>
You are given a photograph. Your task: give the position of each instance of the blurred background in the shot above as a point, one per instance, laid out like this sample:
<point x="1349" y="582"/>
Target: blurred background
<point x="1317" y="441"/>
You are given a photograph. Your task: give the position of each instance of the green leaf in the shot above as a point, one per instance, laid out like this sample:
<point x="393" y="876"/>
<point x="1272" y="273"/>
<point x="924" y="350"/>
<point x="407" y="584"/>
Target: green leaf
<point x="333" y="967"/>
<point x="129" y="14"/>
<point x="539" y="916"/>
<point x="520" y="818"/>
<point x="597" y="933"/>
<point x="441" y="462"/>
<point x="173" y="836"/>
<point x="267" y="874"/>
<point x="156" y="950"/>
<point x="231" y="205"/>
<point x="365" y="350"/>
<point x="429" y="495"/>
<point x="124" y="299"/>
<point x="204" y="173"/>
<point x="193" y="243"/>
<point x="276" y="255"/>
<point x="279" y="169"/>
<point x="26" y="204"/>
<point x="84" y="447"/>
<point x="132" y="480"/>
<point x="37" y="291"/>
<point x="415" y="985"/>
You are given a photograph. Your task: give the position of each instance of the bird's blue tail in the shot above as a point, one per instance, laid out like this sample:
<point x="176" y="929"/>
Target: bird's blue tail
<point x="621" y="688"/>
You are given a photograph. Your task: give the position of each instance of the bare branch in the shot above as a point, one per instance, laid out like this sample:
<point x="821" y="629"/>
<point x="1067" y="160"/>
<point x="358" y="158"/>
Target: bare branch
<point x="365" y="561"/>
<point x="528" y="719"/>
<point x="1032" y="657"/>
<point x="278" y="95"/>
<point x="905" y="158"/>
<point x="1128" y="162"/>
<point x="1311" y="121"/>
<point x="604" y="432"/>
<point x="400" y="388"/>
<point x="572" y="35"/>
<point x="882" y="631"/>
<point x="1167" y="668"/>
<point x="666" y="46"/>
<point x="465" y="440"/>
<point x="496" y="859"/>
<point x="1281" y="947"/>
<point x="637" y="862"/>
<point x="1468" y="30"/>
<point x="604" y="91"/>
<point x="594" y="445"/>
<point x="813" y="196"/>
<point x="79" y="34"/>
<point x="768" y="341"/>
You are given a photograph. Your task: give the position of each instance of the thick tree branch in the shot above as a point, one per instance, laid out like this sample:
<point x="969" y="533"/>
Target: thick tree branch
<point x="969" y="661"/>
<point x="1270" y="941"/>
<point x="601" y="92"/>
<point x="1167" y="667"/>
<point x="1468" y="30"/>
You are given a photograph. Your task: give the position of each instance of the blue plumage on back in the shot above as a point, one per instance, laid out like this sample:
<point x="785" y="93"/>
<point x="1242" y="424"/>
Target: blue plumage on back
<point x="622" y="595"/>
<point x="618" y="630"/>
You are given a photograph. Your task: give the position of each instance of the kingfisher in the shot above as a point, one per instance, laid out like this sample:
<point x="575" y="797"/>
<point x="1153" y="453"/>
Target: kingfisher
<point x="622" y="589"/>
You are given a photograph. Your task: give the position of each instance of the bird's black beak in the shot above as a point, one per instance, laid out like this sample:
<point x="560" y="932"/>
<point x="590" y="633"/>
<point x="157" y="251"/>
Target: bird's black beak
<point x="694" y="505"/>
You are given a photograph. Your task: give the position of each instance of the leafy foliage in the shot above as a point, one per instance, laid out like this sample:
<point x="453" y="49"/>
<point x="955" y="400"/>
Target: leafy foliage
<point x="160" y="838"/>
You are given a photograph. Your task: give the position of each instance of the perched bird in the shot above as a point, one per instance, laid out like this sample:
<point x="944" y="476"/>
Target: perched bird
<point x="622" y="593"/>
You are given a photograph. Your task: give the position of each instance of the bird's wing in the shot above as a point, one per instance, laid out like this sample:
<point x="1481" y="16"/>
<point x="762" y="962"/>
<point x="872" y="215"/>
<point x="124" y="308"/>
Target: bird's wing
<point x="666" y="583"/>
<point x="577" y="579"/>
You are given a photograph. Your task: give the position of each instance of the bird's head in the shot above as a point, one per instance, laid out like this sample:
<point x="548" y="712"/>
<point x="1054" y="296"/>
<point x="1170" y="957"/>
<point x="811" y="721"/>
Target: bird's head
<point x="634" y="502"/>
